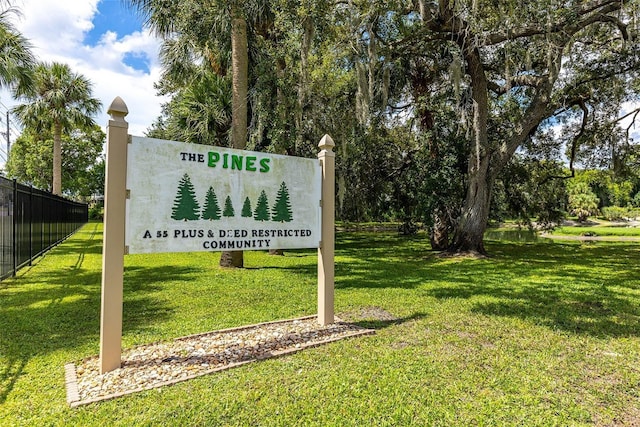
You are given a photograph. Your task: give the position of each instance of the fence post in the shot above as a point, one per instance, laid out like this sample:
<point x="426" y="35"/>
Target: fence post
<point x="31" y="225"/>
<point x="326" y="250"/>
<point x="14" y="244"/>
<point x="114" y="237"/>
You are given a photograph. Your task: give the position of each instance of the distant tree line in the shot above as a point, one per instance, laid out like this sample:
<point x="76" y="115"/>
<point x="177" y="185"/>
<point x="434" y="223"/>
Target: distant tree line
<point x="446" y="113"/>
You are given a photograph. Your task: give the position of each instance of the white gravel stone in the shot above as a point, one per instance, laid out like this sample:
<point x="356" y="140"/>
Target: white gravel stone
<point x="153" y="365"/>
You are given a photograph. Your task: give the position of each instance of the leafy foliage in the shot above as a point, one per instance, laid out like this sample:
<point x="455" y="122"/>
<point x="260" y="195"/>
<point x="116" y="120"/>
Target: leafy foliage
<point x="30" y="161"/>
<point x="529" y="188"/>
<point x="16" y="59"/>
<point x="60" y="101"/>
<point x="428" y="101"/>
<point x="615" y="213"/>
<point x="582" y="201"/>
<point x="198" y="113"/>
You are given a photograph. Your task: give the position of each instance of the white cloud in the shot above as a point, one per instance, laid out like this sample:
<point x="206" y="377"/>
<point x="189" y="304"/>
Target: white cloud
<point x="57" y="30"/>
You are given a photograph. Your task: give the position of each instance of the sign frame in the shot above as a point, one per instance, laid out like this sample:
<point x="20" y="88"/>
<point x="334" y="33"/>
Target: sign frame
<point x="185" y="197"/>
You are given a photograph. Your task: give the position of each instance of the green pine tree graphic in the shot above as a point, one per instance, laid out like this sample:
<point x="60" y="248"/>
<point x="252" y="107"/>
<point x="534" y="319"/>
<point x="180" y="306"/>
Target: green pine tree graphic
<point x="228" y="208"/>
<point x="281" y="211"/>
<point x="185" y="205"/>
<point x="211" y="208"/>
<point x="246" y="209"/>
<point x="262" y="208"/>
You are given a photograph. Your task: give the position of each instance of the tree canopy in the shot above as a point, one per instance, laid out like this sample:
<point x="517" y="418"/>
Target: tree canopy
<point x="445" y="112"/>
<point x="16" y="58"/>
<point x="59" y="101"/>
<point x="82" y="161"/>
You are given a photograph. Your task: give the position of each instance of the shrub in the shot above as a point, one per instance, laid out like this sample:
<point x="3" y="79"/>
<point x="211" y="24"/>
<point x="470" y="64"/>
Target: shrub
<point x="614" y="213"/>
<point x="96" y="212"/>
<point x="582" y="202"/>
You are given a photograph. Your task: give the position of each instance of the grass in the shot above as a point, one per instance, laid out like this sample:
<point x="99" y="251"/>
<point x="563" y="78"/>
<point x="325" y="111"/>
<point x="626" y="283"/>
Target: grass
<point x="513" y="232"/>
<point x="539" y="334"/>
<point x="603" y="230"/>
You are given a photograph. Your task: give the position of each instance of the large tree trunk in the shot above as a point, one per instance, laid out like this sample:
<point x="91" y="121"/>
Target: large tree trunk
<point x="232" y="259"/>
<point x="239" y="84"/>
<point x="303" y="88"/>
<point x="56" y="185"/>
<point x="469" y="233"/>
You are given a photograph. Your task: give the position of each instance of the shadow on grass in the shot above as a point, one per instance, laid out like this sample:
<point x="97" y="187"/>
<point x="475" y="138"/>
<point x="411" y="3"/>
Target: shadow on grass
<point x="58" y="308"/>
<point x="10" y="372"/>
<point x="378" y="324"/>
<point x="309" y="269"/>
<point x="575" y="288"/>
<point x="381" y="260"/>
<point x="583" y="289"/>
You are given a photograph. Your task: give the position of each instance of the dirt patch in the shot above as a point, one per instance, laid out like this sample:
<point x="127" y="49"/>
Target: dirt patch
<point x="368" y="313"/>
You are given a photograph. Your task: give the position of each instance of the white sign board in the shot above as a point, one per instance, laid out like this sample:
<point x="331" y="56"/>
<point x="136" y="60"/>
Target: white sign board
<point x="187" y="197"/>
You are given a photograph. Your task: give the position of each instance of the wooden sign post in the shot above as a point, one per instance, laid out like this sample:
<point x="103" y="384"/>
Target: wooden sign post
<point x="114" y="232"/>
<point x="325" y="250"/>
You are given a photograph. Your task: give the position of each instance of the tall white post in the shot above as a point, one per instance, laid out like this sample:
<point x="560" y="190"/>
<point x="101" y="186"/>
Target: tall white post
<point x="326" y="250"/>
<point x="114" y="237"/>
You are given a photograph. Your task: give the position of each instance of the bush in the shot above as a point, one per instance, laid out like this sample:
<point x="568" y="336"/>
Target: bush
<point x="582" y="201"/>
<point x="633" y="213"/>
<point x="614" y="213"/>
<point x="96" y="212"/>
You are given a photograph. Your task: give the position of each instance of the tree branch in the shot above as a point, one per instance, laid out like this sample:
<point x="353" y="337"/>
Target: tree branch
<point x="590" y="13"/>
<point x="574" y="144"/>
<point x="634" y="113"/>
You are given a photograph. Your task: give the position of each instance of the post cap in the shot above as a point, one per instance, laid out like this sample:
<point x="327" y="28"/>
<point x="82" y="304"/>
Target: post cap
<point x="118" y="109"/>
<point x="326" y="143"/>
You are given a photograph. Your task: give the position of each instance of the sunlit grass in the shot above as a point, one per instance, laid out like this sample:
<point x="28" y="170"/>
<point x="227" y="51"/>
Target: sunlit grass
<point x="540" y="333"/>
<point x="598" y="231"/>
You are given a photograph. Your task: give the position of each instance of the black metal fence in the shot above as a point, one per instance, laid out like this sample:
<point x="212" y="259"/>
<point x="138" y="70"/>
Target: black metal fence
<point x="31" y="222"/>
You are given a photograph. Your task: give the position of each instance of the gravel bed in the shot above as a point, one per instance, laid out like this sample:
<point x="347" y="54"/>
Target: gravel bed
<point x="154" y="365"/>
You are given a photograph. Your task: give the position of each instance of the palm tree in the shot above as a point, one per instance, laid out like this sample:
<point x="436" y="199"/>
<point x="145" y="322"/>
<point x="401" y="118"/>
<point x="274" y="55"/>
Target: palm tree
<point x="164" y="19"/>
<point x="60" y="100"/>
<point x="239" y="85"/>
<point x="16" y="59"/>
<point x="199" y="113"/>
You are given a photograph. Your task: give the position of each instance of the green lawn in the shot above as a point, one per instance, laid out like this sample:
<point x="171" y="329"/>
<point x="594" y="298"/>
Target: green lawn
<point x="606" y="230"/>
<point x="539" y="334"/>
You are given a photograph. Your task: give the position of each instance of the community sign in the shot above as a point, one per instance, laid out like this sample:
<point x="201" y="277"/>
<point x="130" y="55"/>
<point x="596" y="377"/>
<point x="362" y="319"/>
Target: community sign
<point x="187" y="197"/>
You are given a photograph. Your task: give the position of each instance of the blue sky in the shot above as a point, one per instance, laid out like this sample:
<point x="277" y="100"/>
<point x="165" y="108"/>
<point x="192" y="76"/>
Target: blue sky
<point x="113" y="16"/>
<point x="103" y="40"/>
